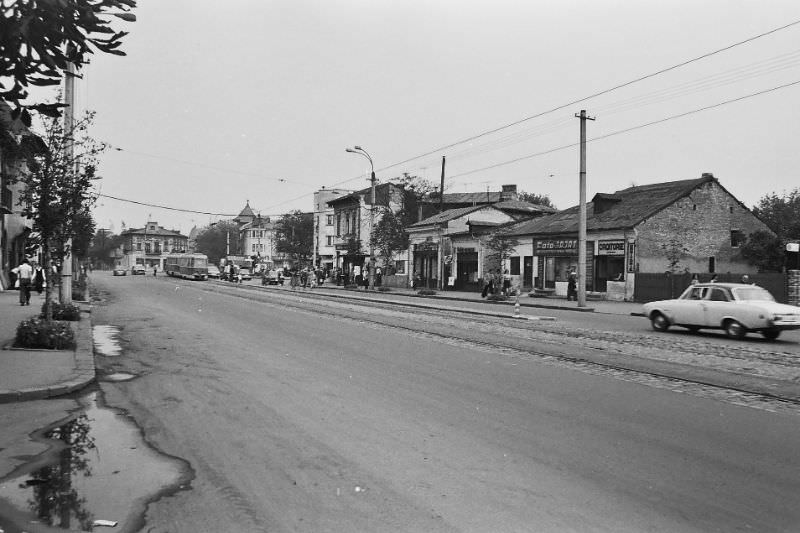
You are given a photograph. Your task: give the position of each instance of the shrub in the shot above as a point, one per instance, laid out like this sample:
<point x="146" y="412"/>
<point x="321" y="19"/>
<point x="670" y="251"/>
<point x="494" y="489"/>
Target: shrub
<point x="426" y="292"/>
<point x="63" y="311"/>
<point x="496" y="298"/>
<point x="37" y="333"/>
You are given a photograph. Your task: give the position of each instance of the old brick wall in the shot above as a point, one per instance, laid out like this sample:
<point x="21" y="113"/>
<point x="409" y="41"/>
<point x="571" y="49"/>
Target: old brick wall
<point x="702" y="223"/>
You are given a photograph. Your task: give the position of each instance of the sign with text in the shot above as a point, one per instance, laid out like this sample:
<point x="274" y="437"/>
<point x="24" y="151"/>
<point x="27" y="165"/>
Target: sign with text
<point x="611" y="247"/>
<point x="557" y="247"/>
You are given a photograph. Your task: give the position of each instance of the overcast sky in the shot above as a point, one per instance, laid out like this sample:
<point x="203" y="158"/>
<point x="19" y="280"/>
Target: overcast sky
<point x="219" y="103"/>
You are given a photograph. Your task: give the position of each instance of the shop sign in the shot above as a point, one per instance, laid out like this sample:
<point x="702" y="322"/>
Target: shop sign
<point x="557" y="247"/>
<point x="631" y="257"/>
<point x="611" y="247"/>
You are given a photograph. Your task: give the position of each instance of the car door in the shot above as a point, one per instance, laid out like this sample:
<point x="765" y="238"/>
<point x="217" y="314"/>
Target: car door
<point x="716" y="305"/>
<point x="689" y="309"/>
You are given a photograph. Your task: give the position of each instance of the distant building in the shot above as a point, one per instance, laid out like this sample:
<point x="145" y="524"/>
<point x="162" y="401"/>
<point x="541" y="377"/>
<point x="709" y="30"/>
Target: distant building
<point x="150" y="245"/>
<point x="324" y="250"/>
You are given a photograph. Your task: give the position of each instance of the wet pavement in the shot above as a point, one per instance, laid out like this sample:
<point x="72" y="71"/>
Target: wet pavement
<point x="102" y="470"/>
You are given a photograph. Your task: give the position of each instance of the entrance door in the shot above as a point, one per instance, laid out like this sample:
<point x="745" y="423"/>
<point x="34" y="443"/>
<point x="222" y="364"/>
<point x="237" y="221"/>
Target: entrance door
<point x="467" y="271"/>
<point x="527" y="271"/>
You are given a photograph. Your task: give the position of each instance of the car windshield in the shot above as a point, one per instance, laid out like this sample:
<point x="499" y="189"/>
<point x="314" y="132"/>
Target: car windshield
<point x="753" y="294"/>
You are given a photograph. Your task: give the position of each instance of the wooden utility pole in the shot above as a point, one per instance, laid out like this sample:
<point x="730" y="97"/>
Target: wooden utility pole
<point x="582" y="217"/>
<point x="441" y="189"/>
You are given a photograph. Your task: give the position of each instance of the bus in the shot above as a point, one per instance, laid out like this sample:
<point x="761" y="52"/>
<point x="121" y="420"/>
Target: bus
<point x="188" y="266"/>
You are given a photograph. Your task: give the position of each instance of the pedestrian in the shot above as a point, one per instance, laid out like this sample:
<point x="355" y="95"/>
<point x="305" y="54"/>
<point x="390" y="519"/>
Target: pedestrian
<point x="714" y="279"/>
<point x="572" y="285"/>
<point x="378" y="276"/>
<point x="155" y="269"/>
<point x="304" y="278"/>
<point x="746" y="280"/>
<point x="38" y="278"/>
<point x="506" y="283"/>
<point x="357" y="275"/>
<point x="695" y="279"/>
<point x="24" y="274"/>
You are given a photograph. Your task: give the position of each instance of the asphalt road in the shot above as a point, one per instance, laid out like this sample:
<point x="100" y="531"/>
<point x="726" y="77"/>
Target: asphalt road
<point x="311" y="416"/>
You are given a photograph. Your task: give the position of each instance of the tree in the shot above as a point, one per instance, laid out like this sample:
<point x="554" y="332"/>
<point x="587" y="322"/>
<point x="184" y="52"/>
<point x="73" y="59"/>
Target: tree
<point x="389" y="236"/>
<point x="214" y="240"/>
<point x="294" y="235"/>
<point x="38" y="38"/>
<point x="500" y="246"/>
<point x="102" y="247"/>
<point x="538" y="199"/>
<point x="781" y="214"/>
<point x="61" y="166"/>
<point x="765" y="250"/>
<point x="414" y="190"/>
<point x="674" y="250"/>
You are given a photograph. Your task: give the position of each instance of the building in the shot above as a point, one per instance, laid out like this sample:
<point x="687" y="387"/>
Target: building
<point x="150" y="245"/>
<point x="257" y="239"/>
<point x="432" y="204"/>
<point x="353" y="218"/>
<point x="448" y="249"/>
<point x="324" y="250"/>
<point x="14" y="227"/>
<point x="680" y="226"/>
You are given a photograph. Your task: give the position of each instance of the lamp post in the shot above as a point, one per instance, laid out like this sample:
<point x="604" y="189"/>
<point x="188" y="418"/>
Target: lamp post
<point x="361" y="151"/>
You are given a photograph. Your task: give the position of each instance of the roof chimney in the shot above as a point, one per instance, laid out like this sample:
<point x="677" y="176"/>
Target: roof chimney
<point x="509" y="192"/>
<point x="707" y="175"/>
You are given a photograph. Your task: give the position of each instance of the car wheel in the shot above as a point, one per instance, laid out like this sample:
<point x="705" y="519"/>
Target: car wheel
<point x="771" y="334"/>
<point x="659" y="322"/>
<point x="734" y="329"/>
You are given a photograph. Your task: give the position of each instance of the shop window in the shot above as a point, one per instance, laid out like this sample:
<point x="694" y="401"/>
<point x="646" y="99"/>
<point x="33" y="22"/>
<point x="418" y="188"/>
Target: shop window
<point x="329" y="240"/>
<point x="737" y="238"/>
<point x="515" y="266"/>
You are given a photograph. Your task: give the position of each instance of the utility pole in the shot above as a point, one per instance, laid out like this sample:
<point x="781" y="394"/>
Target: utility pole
<point x="582" y="217"/>
<point x="441" y="189"/>
<point x="371" y="244"/>
<point x="65" y="289"/>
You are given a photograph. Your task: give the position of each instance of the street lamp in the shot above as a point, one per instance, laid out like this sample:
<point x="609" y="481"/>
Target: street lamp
<point x="358" y="150"/>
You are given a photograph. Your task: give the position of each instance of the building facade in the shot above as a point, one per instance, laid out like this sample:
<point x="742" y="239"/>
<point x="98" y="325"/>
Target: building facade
<point x="681" y="226"/>
<point x="150" y="245"/>
<point x="324" y="248"/>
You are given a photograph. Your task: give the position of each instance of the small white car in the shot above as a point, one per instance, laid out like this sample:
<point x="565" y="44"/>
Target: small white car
<point x="213" y="272"/>
<point x="733" y="307"/>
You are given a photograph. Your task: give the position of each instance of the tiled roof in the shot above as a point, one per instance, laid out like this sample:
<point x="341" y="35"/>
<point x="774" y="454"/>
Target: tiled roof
<point x="247" y="212"/>
<point x="450" y="214"/>
<point x="380" y="191"/>
<point x="623" y="209"/>
<point x="465" y="198"/>
<point x="527" y="207"/>
<point x="158" y="231"/>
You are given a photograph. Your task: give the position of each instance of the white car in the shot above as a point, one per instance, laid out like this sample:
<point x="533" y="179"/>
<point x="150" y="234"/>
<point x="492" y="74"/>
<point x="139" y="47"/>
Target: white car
<point x="733" y="307"/>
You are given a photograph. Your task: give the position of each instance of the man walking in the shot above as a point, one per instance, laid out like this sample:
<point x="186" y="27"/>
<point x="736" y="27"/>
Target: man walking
<point x="24" y="274"/>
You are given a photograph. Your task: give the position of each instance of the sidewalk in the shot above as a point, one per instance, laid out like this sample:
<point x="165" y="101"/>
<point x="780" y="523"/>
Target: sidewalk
<point x="37" y="374"/>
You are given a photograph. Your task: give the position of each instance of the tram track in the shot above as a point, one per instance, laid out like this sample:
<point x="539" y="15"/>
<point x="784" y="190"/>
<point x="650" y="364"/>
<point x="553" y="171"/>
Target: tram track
<point x="585" y="350"/>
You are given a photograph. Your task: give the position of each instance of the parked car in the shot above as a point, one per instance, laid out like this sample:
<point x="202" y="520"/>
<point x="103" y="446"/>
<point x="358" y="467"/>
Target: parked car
<point x="138" y="270"/>
<point x="272" y="277"/>
<point x="245" y="274"/>
<point x="213" y="272"/>
<point x="735" y="308"/>
<point x="119" y="271"/>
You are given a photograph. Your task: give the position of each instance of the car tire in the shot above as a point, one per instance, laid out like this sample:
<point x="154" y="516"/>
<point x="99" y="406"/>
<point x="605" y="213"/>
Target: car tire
<point x="659" y="322"/>
<point x="734" y="329"/>
<point x="771" y="334"/>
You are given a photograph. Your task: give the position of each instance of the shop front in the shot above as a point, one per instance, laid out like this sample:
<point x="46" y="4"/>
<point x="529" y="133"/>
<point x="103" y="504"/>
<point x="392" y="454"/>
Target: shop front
<point x="467" y="269"/>
<point x="426" y="265"/>
<point x="609" y="263"/>
<point x="556" y="258"/>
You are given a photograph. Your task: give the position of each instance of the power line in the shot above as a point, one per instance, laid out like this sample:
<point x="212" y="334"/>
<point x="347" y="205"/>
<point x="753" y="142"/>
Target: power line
<point x="600" y="93"/>
<point x="640" y="126"/>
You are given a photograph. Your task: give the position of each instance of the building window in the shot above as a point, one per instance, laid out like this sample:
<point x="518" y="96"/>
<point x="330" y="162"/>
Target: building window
<point x="515" y="266"/>
<point x="329" y="220"/>
<point x="737" y="238"/>
<point x="712" y="265"/>
<point x="338" y="224"/>
<point x="329" y="240"/>
<point x="400" y="267"/>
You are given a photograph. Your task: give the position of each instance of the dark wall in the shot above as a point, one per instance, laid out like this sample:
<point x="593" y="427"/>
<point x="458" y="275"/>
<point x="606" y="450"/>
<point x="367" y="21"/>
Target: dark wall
<point x="650" y="287"/>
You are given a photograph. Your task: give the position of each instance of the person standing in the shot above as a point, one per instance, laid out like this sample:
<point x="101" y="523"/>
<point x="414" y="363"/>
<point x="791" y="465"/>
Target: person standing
<point x="155" y="270"/>
<point x="38" y="278"/>
<point x="572" y="285"/>
<point x="378" y="276"/>
<point x="506" y="283"/>
<point x="24" y="274"/>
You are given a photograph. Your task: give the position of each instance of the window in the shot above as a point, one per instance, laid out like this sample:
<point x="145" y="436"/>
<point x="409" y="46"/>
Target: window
<point x="737" y="238"/>
<point x="329" y="240"/>
<point x="400" y="267"/>
<point x="515" y="266"/>
<point x="712" y="264"/>
<point x="719" y="295"/>
<point x="338" y="224"/>
<point x="329" y="220"/>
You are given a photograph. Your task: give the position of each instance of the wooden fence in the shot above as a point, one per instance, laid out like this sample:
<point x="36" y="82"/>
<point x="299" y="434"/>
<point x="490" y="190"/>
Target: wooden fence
<point x="650" y="287"/>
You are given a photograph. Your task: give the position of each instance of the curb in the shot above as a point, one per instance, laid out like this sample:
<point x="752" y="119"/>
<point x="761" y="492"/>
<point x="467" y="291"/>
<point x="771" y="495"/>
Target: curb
<point x="83" y="374"/>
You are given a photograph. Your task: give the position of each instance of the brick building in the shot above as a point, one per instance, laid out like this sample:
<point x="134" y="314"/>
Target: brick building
<point x="680" y="226"/>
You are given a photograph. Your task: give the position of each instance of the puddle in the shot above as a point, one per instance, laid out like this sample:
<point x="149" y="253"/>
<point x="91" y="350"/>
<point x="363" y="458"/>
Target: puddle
<point x="105" y="340"/>
<point x="118" y="376"/>
<point x="105" y="471"/>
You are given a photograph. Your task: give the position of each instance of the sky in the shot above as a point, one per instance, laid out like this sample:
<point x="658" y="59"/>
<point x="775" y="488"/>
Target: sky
<point x="221" y="103"/>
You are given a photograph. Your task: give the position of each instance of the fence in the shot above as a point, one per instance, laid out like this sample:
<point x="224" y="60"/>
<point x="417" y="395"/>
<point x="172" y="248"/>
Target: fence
<point x="650" y="287"/>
